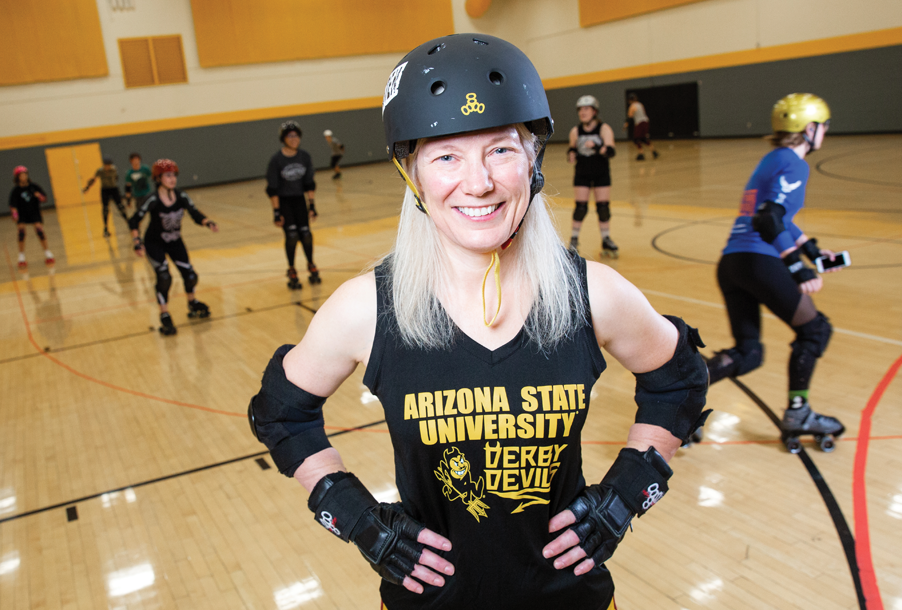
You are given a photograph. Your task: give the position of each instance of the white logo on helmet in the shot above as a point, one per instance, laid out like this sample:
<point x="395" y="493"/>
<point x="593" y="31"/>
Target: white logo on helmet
<point x="391" y="87"/>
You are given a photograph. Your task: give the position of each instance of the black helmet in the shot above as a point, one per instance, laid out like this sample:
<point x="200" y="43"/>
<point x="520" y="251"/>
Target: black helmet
<point x="287" y="127"/>
<point x="462" y="83"/>
<point x="107" y="160"/>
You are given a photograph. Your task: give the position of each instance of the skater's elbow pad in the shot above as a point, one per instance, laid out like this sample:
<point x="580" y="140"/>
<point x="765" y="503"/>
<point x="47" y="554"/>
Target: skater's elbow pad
<point x="673" y="395"/>
<point x="287" y="419"/>
<point x="768" y="221"/>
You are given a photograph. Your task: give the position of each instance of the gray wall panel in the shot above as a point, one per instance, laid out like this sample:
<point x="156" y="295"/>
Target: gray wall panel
<point x="863" y="89"/>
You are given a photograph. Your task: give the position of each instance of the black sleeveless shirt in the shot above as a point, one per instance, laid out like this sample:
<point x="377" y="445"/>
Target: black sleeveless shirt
<point x="588" y="161"/>
<point x="487" y="450"/>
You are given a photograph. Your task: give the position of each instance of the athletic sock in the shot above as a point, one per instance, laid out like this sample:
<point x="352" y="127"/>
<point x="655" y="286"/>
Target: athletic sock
<point x="793" y="394"/>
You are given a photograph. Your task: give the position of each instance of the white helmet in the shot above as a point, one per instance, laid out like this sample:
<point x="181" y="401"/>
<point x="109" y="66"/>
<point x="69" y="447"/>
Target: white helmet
<point x="587" y="100"/>
<point x="327" y="133"/>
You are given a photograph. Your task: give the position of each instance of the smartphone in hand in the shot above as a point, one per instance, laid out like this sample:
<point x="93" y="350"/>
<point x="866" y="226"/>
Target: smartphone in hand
<point x="822" y="263"/>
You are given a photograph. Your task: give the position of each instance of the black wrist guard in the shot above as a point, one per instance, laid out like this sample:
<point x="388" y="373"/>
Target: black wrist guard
<point x="673" y="395"/>
<point x="313" y="208"/>
<point x="810" y="249"/>
<point x="609" y="152"/>
<point x="572" y="149"/>
<point x="635" y="482"/>
<point x="211" y="225"/>
<point x="139" y="244"/>
<point x="276" y="215"/>
<point x="384" y="534"/>
<point x="797" y="269"/>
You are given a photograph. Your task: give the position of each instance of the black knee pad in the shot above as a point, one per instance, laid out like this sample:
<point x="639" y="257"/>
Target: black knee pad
<point x="746" y="357"/>
<point x="190" y="279"/>
<point x="164" y="282"/>
<point x="582" y="208"/>
<point x="21" y="234"/>
<point x="40" y="233"/>
<point x="604" y="210"/>
<point x="813" y="336"/>
<point x="292" y="235"/>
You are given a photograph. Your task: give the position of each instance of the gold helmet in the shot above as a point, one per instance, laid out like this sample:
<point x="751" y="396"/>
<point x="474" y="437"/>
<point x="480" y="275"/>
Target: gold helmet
<point x="793" y="112"/>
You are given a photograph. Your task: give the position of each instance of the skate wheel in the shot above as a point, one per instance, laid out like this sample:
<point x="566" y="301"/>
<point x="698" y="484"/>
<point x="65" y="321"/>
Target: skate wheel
<point x="697" y="436"/>
<point x="827" y="443"/>
<point x="794" y="445"/>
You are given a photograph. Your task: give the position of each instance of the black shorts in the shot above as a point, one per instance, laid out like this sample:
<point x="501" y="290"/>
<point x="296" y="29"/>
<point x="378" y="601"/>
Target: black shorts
<point x="749" y="280"/>
<point x="30" y="214"/>
<point x="333" y="163"/>
<point x="294" y="212"/>
<point x="592" y="171"/>
<point x="158" y="249"/>
<point x="110" y="194"/>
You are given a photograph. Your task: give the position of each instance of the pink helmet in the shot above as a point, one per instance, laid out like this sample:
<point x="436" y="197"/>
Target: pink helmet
<point x="19" y="169"/>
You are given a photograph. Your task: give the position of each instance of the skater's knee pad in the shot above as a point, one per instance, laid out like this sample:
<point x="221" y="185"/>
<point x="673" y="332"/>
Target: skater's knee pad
<point x="190" y="279"/>
<point x="673" y="395"/>
<point x="292" y="235"/>
<point x="604" y="210"/>
<point x="164" y="283"/>
<point x="812" y="337"/>
<point x="751" y="355"/>
<point x="582" y="208"/>
<point x="40" y="232"/>
<point x="287" y="419"/>
<point x="21" y="234"/>
<point x="736" y="361"/>
<point x="306" y="237"/>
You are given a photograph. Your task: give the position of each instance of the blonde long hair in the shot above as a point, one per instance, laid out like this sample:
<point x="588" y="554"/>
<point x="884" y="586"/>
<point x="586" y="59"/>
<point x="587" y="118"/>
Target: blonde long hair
<point x="536" y="257"/>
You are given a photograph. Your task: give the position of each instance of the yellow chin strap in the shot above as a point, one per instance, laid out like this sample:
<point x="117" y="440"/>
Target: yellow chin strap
<point x="496" y="263"/>
<point x="496" y="260"/>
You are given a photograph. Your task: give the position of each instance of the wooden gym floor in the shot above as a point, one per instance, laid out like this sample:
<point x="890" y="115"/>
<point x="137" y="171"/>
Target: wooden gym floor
<point x="129" y="477"/>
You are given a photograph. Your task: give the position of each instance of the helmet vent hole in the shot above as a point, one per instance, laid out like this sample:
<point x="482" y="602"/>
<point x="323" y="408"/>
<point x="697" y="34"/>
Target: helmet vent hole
<point x="436" y="49"/>
<point x="482" y="42"/>
<point x="495" y="77"/>
<point x="437" y="88"/>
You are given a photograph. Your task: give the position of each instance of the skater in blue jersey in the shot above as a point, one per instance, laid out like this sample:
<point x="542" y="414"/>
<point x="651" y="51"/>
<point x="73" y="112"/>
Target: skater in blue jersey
<point x="762" y="264"/>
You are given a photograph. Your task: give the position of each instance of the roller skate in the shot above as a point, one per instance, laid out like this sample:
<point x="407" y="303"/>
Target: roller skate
<point x="640" y="157"/>
<point x="167" y="328"/>
<point x="314" y="274"/>
<point x="609" y="248"/>
<point x="196" y="309"/>
<point x="48" y="258"/>
<point x="655" y="154"/>
<point x="574" y="243"/>
<point x="802" y="420"/>
<point x="695" y="437"/>
<point x="721" y="365"/>
<point x="106" y="232"/>
<point x="23" y="264"/>
<point x="293" y="282"/>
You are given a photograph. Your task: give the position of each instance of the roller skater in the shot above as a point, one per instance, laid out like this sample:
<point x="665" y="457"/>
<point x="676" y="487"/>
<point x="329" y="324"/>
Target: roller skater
<point x="109" y="191"/>
<point x="293" y="282"/>
<point x="25" y="204"/>
<point x="291" y="187"/>
<point x="762" y="264"/>
<point x="591" y="147"/>
<point x="637" y="124"/>
<point x="166" y="206"/>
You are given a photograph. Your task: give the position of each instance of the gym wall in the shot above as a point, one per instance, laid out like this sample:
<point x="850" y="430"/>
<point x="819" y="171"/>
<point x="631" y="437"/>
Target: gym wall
<point x="221" y="125"/>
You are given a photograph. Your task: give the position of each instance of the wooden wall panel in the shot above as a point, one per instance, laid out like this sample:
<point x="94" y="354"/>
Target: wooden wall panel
<point x="50" y="41"/>
<point x="234" y="32"/>
<point x="594" y="12"/>
<point x="169" y="60"/>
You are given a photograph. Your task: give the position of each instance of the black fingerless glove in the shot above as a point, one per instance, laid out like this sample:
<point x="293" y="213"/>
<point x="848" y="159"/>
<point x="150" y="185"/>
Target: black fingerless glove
<point x="313" y="208"/>
<point x="276" y="215"/>
<point x="211" y="225"/>
<point x="609" y="152"/>
<point x="800" y="273"/>
<point x="138" y="244"/>
<point x="811" y="250"/>
<point x="635" y="482"/>
<point x="385" y="535"/>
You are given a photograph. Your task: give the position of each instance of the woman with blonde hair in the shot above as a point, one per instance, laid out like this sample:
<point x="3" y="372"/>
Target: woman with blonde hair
<point x="481" y="336"/>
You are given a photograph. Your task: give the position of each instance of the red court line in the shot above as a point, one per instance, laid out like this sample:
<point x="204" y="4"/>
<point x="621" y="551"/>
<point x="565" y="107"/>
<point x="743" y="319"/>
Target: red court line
<point x="860" y="499"/>
<point x="88" y="377"/>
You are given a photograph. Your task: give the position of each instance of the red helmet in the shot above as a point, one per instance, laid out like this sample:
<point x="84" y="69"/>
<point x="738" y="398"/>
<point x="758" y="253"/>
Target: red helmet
<point x="161" y="166"/>
<point x="19" y="169"/>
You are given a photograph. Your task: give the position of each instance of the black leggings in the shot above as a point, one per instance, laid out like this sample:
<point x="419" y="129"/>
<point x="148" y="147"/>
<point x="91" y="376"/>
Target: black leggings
<point x="156" y="256"/>
<point x="107" y="195"/>
<point x="296" y="224"/>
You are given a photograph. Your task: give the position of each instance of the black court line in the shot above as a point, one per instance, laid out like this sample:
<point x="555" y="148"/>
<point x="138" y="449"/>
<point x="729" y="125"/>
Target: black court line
<point x="839" y="521"/>
<point x="247" y="311"/>
<point x="70" y="504"/>
<point x="821" y="170"/>
<point x="654" y="244"/>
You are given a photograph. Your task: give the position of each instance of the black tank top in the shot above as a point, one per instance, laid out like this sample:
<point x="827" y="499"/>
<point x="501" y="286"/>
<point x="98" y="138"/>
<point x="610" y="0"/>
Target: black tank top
<point x="588" y="161"/>
<point x="487" y="450"/>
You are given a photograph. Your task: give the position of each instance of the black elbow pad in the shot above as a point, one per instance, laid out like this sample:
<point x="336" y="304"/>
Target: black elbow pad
<point x="287" y="419"/>
<point x="768" y="221"/>
<point x="673" y="395"/>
